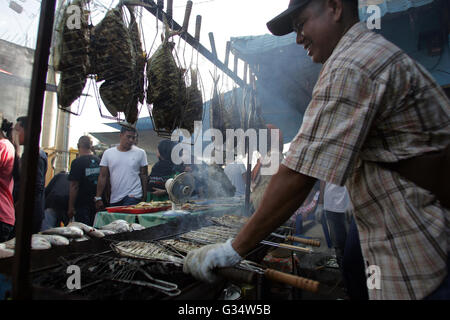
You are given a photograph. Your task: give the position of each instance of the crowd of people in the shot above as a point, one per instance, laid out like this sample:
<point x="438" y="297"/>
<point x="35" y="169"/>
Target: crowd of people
<point x="119" y="177"/>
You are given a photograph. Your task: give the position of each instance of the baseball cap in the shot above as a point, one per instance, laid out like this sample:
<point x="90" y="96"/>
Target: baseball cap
<point x="282" y="24"/>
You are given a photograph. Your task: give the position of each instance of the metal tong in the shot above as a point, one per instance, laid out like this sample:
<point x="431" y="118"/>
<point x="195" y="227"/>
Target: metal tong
<point x="127" y="274"/>
<point x="168" y="288"/>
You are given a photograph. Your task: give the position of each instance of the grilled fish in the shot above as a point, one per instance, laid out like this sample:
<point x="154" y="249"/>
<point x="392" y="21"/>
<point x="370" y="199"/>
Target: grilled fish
<point x="55" y="240"/>
<point x="114" y="61"/>
<point x="88" y="230"/>
<point x="166" y="88"/>
<point x="72" y="55"/>
<point x="68" y="232"/>
<point x="39" y="243"/>
<point x="118" y="226"/>
<point x="194" y="104"/>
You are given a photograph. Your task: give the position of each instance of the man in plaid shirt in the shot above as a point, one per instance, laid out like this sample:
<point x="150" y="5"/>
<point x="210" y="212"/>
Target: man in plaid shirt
<point x="372" y="104"/>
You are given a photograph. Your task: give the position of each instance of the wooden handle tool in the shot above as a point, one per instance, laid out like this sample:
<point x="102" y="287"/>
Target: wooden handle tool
<point x="311" y="242"/>
<point x="295" y="281"/>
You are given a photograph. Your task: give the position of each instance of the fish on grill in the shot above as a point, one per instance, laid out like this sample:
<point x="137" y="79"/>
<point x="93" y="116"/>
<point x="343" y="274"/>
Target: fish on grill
<point x="229" y="221"/>
<point x="180" y="245"/>
<point x="114" y="60"/>
<point x="145" y="250"/>
<point x="194" y="104"/>
<point x="211" y="234"/>
<point x="166" y="88"/>
<point x="71" y="54"/>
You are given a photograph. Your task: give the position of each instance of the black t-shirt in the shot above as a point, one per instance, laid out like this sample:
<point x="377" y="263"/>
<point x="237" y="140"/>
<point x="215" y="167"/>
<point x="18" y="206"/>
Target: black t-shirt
<point x="85" y="170"/>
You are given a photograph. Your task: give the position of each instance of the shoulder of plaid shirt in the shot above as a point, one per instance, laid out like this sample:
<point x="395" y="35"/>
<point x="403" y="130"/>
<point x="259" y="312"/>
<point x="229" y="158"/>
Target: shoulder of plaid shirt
<point x="372" y="103"/>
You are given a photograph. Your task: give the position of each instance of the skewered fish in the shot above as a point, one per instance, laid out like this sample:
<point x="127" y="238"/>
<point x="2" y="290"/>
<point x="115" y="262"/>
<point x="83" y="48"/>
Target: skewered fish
<point x="166" y="88"/>
<point x="71" y="55"/>
<point x="211" y="234"/>
<point x="229" y="221"/>
<point x="194" y="104"/>
<point x="145" y="250"/>
<point x="180" y="245"/>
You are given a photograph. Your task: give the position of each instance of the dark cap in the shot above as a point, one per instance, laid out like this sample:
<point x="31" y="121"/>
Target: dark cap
<point x="282" y="24"/>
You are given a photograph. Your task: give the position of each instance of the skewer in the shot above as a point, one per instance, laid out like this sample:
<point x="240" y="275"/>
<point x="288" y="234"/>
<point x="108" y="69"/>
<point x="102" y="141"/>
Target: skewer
<point x="287" y="246"/>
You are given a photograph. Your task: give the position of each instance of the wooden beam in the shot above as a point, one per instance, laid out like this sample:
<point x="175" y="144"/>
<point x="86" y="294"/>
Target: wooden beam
<point x="151" y="7"/>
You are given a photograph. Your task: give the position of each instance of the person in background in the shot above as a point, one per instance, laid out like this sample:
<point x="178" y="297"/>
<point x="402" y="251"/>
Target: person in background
<point x="56" y="201"/>
<point x="163" y="170"/>
<point x="39" y="196"/>
<point x="7" y="213"/>
<point x="83" y="177"/>
<point x="259" y="182"/>
<point x="125" y="167"/>
<point x="236" y="172"/>
<point x="334" y="203"/>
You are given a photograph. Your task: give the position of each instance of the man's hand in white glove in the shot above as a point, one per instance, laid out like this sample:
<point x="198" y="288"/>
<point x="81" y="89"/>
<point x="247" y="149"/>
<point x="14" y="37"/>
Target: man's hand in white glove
<point x="201" y="262"/>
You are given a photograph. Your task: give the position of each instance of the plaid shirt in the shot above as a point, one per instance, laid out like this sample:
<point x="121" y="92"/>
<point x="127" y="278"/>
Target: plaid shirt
<point x="372" y="103"/>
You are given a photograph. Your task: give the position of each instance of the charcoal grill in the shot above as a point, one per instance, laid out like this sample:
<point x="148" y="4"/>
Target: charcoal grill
<point x="49" y="268"/>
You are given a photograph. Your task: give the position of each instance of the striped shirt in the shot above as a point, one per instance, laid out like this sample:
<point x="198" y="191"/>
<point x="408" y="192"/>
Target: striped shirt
<point x="372" y="103"/>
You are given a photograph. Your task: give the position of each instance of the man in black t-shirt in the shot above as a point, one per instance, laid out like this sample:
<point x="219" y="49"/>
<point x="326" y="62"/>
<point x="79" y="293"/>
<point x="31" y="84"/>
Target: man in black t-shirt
<point x="83" y="178"/>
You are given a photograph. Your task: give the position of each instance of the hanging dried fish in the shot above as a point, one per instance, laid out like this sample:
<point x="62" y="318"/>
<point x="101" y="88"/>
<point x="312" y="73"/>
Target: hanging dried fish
<point x="166" y="88"/>
<point x="140" y="57"/>
<point x="194" y="105"/>
<point x="115" y="61"/>
<point x="71" y="55"/>
<point x="216" y="109"/>
<point x="235" y="114"/>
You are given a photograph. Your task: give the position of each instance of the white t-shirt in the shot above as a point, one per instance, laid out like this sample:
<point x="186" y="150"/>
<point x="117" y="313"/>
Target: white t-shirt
<point x="335" y="198"/>
<point x="234" y="172"/>
<point x="124" y="168"/>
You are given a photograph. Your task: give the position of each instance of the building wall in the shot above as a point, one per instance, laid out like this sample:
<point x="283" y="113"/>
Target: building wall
<point x="14" y="95"/>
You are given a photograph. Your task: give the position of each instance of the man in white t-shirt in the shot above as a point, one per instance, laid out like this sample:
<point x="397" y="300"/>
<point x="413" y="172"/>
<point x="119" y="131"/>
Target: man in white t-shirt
<point x="235" y="171"/>
<point x="125" y="167"/>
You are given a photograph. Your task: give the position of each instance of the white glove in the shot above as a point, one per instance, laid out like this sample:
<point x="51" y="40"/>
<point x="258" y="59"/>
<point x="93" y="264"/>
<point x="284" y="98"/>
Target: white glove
<point x="201" y="262"/>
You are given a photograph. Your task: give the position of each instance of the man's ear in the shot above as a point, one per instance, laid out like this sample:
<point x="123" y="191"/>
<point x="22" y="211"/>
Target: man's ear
<point x="337" y="7"/>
